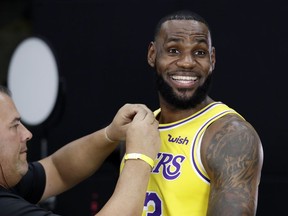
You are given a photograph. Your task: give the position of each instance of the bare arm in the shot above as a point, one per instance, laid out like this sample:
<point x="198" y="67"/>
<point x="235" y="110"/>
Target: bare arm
<point x="79" y="159"/>
<point x="233" y="158"/>
<point x="128" y="197"/>
<point x="75" y="162"/>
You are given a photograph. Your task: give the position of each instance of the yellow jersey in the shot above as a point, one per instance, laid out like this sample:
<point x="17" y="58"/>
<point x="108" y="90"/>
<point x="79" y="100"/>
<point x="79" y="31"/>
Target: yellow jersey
<point x="179" y="184"/>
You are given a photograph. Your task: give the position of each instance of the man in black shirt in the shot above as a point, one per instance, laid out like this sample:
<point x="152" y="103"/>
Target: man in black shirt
<point x="23" y="184"/>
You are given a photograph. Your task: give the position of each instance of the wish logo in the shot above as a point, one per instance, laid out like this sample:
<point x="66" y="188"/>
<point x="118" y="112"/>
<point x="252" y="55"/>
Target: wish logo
<point x="178" y="140"/>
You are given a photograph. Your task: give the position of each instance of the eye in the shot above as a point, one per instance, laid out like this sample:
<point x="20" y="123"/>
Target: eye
<point x="173" y="51"/>
<point x="16" y="125"/>
<point x="200" y="53"/>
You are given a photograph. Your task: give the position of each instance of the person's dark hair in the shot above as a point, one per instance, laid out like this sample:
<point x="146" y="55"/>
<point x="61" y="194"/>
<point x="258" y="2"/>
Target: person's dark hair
<point x="180" y="15"/>
<point x="5" y="90"/>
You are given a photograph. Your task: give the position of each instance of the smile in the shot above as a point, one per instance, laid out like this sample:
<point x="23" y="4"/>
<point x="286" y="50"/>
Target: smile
<point x="184" y="79"/>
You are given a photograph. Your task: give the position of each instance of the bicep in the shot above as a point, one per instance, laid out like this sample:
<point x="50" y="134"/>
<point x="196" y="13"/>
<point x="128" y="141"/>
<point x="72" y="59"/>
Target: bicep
<point x="54" y="183"/>
<point x="233" y="160"/>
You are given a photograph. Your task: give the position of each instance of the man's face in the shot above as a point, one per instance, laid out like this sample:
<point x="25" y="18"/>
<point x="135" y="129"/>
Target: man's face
<point x="184" y="59"/>
<point x="13" y="148"/>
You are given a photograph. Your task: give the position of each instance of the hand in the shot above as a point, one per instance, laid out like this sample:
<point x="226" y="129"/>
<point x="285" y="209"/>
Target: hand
<point x="118" y="127"/>
<point x="143" y="134"/>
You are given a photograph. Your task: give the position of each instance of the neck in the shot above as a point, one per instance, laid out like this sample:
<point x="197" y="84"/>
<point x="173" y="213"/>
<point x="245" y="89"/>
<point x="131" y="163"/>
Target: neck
<point x="1" y="185"/>
<point x="3" y="181"/>
<point x="171" y="114"/>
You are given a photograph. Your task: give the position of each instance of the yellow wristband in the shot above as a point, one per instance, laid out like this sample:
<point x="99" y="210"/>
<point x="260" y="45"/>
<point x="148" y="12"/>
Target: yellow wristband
<point x="143" y="157"/>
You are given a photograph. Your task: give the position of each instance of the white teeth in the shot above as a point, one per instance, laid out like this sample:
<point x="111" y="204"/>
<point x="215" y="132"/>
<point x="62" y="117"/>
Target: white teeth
<point x="184" y="78"/>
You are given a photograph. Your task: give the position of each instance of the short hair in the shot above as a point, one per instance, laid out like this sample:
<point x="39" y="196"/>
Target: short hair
<point x="5" y="90"/>
<point x="180" y="15"/>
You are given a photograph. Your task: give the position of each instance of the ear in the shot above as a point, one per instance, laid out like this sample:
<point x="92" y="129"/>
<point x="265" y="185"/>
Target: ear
<point x="151" y="55"/>
<point x="213" y="58"/>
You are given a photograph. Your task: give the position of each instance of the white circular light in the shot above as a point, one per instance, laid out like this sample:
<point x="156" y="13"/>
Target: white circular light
<point x="33" y="80"/>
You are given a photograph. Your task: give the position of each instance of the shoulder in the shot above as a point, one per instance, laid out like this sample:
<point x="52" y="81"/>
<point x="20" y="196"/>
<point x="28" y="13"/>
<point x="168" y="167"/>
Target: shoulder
<point x="32" y="185"/>
<point x="8" y="199"/>
<point x="12" y="204"/>
<point x="229" y="143"/>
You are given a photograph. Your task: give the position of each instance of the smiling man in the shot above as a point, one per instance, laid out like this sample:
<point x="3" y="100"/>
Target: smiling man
<point x="210" y="160"/>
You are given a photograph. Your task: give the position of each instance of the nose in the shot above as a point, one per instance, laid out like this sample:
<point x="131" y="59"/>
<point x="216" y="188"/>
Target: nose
<point x="29" y="135"/>
<point x="186" y="61"/>
<point x="26" y="134"/>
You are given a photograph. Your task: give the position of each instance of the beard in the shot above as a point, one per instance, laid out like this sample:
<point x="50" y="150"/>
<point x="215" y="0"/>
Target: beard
<point x="166" y="91"/>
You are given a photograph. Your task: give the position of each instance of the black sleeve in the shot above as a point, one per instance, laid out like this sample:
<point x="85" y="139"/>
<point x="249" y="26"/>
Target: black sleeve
<point x="14" y="205"/>
<point x="32" y="185"/>
<point x="21" y="200"/>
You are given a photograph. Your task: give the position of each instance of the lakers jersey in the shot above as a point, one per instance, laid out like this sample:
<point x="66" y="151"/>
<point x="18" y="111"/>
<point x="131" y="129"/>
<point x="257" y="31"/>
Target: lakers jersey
<point x="179" y="185"/>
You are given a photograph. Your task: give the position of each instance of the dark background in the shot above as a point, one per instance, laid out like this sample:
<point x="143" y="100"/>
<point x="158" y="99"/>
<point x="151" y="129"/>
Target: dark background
<point x="100" y="47"/>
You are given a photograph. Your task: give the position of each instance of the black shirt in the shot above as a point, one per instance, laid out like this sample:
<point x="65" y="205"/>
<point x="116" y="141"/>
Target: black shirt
<point x="22" y="199"/>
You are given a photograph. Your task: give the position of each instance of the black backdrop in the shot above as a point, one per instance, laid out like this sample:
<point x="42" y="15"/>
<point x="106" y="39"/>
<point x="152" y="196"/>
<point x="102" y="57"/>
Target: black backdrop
<point x="100" y="48"/>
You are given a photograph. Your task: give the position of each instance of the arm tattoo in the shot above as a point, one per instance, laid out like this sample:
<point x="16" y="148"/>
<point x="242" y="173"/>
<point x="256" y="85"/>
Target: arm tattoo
<point x="234" y="160"/>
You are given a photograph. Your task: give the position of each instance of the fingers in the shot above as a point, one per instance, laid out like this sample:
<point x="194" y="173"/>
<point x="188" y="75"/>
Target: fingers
<point x="124" y="117"/>
<point x="136" y="124"/>
<point x="143" y="134"/>
<point x="144" y="114"/>
<point x="130" y="110"/>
